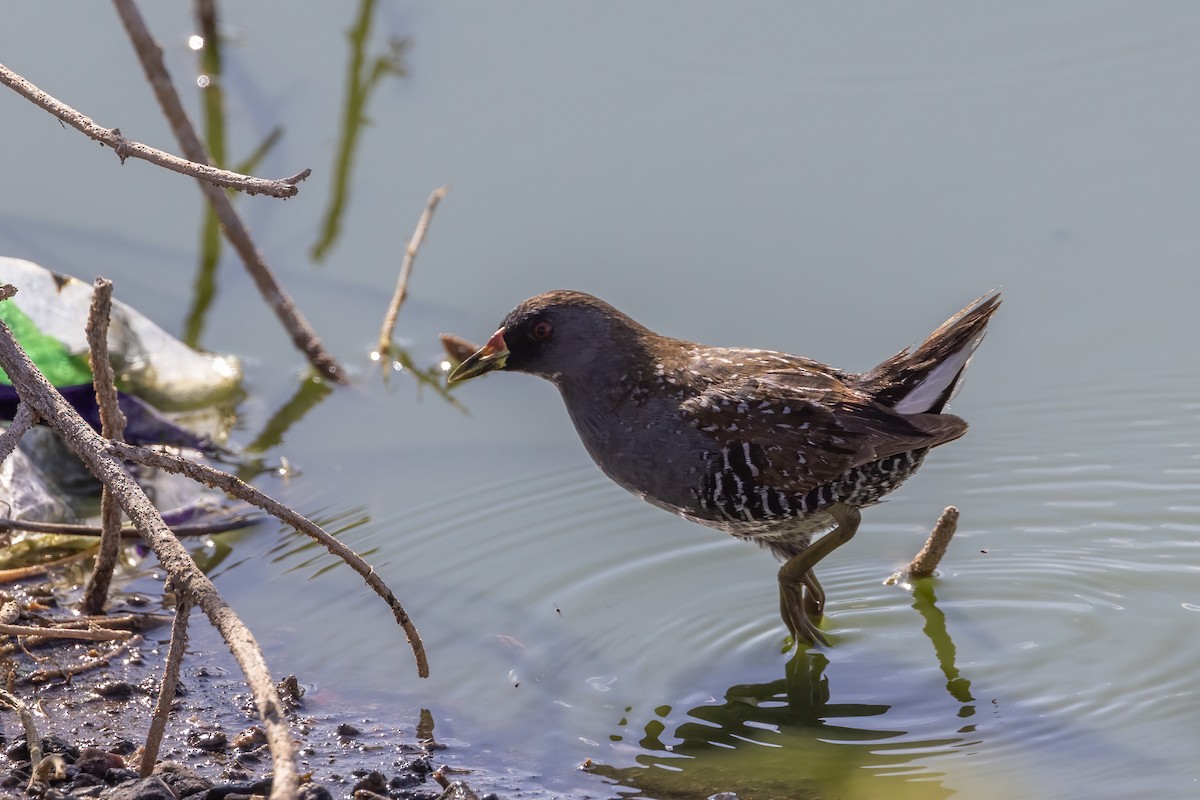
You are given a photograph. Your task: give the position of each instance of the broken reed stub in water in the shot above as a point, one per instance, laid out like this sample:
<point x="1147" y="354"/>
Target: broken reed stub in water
<point x="926" y="561"/>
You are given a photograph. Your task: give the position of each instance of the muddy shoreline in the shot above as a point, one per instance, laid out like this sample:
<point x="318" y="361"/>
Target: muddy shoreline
<point x="96" y="722"/>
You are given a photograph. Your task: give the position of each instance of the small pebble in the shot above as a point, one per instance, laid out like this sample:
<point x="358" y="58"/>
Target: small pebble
<point x="405" y="781"/>
<point x="123" y="746"/>
<point x="120" y="775"/>
<point x="313" y="791"/>
<point x="95" y="762"/>
<point x="373" y="782"/>
<point x="250" y="738"/>
<point x="181" y="778"/>
<point x="56" y="744"/>
<point x="211" y="741"/>
<point x="290" y="691"/>
<point x="114" y="690"/>
<point x="458" y="791"/>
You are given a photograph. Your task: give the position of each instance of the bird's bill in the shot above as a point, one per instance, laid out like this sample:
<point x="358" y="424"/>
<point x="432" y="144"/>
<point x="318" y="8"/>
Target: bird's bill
<point x="491" y="356"/>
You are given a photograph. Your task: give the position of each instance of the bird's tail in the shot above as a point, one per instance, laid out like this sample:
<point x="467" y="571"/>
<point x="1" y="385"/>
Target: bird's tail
<point x="924" y="380"/>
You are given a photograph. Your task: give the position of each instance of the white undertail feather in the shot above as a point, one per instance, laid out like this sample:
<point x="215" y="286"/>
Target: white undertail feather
<point x="946" y="376"/>
<point x="928" y="391"/>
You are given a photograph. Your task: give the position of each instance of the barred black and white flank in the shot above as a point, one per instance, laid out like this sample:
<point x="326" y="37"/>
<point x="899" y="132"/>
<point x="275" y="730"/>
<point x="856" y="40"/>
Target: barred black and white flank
<point x="767" y="446"/>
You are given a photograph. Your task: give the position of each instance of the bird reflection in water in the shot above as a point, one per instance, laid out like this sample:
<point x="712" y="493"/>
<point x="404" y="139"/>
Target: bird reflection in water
<point x="787" y="738"/>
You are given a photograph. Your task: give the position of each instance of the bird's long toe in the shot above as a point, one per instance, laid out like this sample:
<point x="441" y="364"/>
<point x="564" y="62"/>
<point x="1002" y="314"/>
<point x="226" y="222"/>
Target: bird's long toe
<point x="793" y="601"/>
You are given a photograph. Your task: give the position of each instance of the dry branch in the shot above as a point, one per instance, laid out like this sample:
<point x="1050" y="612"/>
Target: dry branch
<point x="112" y="420"/>
<point x="32" y="740"/>
<point x="127" y="148"/>
<point x="91" y="448"/>
<point x="134" y="621"/>
<point x="926" y="561"/>
<point x="457" y="348"/>
<point x="170" y="681"/>
<point x="23" y="420"/>
<point x="46" y="675"/>
<point x="125" y="624"/>
<point x="49" y="632"/>
<point x="21" y="573"/>
<point x="128" y="532"/>
<point x="235" y="487"/>
<point x="112" y="426"/>
<point x="410" y="256"/>
<point x="150" y="55"/>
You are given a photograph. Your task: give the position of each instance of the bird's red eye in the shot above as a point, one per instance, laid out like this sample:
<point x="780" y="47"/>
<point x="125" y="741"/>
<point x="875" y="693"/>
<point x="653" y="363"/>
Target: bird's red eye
<point x="542" y="330"/>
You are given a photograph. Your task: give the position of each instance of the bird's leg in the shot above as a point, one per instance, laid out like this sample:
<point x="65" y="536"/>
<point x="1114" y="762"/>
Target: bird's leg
<point x="814" y="595"/>
<point x="795" y="603"/>
<point x="795" y="616"/>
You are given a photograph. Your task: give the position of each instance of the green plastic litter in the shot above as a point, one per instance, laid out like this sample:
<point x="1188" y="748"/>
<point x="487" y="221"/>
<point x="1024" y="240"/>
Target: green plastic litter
<point x="60" y="366"/>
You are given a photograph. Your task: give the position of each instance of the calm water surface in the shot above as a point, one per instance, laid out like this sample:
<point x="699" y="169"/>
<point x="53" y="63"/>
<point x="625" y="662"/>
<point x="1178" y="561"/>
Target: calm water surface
<point x="830" y="181"/>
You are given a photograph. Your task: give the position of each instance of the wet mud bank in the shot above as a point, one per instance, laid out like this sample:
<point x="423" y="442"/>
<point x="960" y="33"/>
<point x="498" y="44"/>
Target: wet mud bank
<point x="91" y="704"/>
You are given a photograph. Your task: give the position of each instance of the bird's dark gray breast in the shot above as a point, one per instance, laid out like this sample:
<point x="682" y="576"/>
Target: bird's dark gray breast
<point x="644" y="443"/>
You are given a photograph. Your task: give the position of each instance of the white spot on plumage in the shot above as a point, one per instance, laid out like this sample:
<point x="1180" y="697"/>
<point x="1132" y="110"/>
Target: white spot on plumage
<point x="749" y="463"/>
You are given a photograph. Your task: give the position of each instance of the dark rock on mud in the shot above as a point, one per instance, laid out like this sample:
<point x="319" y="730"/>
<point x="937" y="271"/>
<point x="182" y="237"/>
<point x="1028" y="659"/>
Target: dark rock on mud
<point x="114" y="690"/>
<point x="182" y="779"/>
<point x="152" y="788"/>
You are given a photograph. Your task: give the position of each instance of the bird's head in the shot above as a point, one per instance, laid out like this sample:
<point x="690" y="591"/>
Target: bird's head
<point x="559" y="335"/>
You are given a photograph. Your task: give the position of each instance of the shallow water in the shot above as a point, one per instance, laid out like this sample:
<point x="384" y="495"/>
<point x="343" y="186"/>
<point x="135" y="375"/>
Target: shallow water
<point x="823" y="180"/>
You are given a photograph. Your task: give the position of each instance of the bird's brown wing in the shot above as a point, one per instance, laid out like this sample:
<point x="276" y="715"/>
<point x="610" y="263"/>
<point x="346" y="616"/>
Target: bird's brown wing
<point x="803" y="428"/>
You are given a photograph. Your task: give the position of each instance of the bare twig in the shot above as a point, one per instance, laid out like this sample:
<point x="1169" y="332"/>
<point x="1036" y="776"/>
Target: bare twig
<point x="112" y="420"/>
<point x="127" y="532"/>
<point x="457" y="348"/>
<point x="32" y="740"/>
<point x="51" y="769"/>
<point x="244" y="491"/>
<point x="128" y="623"/>
<point x="25" y="417"/>
<point x="22" y="421"/>
<point x="166" y="694"/>
<point x="112" y="426"/>
<point x="21" y="573"/>
<point x="410" y="256"/>
<point x="425" y="732"/>
<point x="134" y="621"/>
<point x="49" y="632"/>
<point x="127" y="148"/>
<point x="303" y="336"/>
<point x="926" y="561"/>
<point x="92" y="449"/>
<point x="45" y="675"/>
